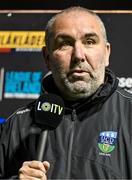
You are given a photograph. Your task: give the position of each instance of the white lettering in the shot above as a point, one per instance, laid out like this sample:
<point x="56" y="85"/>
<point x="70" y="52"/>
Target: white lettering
<point x="60" y="109"/>
<point x="38" y="108"/>
<point x="55" y="109"/>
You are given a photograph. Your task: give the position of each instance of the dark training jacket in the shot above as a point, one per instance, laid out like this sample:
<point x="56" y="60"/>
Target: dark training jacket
<point x="93" y="141"/>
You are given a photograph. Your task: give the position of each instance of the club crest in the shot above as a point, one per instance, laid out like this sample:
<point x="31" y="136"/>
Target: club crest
<point x="106" y="141"/>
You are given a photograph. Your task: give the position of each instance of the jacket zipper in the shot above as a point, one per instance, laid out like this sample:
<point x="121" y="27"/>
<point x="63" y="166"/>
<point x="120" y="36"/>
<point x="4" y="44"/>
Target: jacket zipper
<point x="70" y="144"/>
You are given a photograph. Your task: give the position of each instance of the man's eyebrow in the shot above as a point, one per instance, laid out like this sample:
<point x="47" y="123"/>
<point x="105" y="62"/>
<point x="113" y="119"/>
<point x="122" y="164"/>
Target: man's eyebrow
<point x="67" y="36"/>
<point x="91" y="35"/>
<point x="63" y="36"/>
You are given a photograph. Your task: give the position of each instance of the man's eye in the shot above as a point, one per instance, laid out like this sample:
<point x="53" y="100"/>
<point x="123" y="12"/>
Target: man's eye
<point x="65" y="43"/>
<point x="90" y="42"/>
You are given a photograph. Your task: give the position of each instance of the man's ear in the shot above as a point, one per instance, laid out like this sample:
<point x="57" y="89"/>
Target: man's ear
<point x="46" y="56"/>
<point x="108" y="51"/>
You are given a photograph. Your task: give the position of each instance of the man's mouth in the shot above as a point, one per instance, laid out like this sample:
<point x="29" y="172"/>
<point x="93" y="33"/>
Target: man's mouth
<point x="78" y="72"/>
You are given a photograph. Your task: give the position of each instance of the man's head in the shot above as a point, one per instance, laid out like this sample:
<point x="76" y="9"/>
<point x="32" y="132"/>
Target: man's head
<point x="77" y="52"/>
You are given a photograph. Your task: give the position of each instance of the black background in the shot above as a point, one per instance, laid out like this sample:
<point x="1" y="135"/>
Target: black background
<point x="61" y="4"/>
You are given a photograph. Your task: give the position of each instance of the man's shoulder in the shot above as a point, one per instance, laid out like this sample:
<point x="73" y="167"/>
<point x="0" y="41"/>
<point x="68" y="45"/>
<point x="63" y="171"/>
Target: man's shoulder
<point x="23" y="113"/>
<point x="124" y="94"/>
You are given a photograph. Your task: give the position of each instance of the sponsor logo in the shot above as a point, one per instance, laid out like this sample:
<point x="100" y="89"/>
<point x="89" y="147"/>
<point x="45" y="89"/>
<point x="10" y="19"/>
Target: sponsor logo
<point x="23" y="111"/>
<point x="107" y="141"/>
<point x="21" y="41"/>
<point x="46" y="106"/>
<point x="21" y="84"/>
<point x="126" y="83"/>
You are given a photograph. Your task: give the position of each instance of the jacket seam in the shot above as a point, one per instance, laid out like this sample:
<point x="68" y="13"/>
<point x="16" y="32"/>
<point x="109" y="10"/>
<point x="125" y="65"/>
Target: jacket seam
<point x="15" y="113"/>
<point x="127" y="97"/>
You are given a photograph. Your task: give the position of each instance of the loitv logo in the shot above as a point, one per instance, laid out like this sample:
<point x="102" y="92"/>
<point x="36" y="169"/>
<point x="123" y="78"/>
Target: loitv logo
<point x="53" y="108"/>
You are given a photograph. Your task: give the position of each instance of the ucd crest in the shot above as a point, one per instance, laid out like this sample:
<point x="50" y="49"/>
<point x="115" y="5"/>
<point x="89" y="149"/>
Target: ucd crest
<point x="106" y="141"/>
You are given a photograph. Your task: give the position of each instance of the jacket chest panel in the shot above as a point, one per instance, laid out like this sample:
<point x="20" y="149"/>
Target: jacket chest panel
<point x="91" y="141"/>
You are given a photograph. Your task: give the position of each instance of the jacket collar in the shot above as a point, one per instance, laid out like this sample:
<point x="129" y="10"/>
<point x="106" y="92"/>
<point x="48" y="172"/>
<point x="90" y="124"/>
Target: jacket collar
<point x="103" y="92"/>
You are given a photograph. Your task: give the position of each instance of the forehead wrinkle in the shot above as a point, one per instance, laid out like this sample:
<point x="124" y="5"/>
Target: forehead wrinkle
<point x="64" y="36"/>
<point x="76" y="30"/>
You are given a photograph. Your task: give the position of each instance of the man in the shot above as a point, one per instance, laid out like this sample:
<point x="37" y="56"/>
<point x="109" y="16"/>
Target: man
<point x="93" y="140"/>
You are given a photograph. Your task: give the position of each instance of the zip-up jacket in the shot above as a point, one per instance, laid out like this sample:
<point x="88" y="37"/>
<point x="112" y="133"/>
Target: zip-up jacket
<point x="93" y="140"/>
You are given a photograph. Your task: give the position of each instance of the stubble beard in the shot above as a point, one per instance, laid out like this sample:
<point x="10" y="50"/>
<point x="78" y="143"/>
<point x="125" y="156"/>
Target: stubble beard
<point x="74" y="89"/>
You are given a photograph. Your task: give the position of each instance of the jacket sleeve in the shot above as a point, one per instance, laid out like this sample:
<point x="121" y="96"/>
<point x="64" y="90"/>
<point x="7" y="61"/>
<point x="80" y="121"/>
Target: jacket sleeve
<point x="14" y="144"/>
<point x="6" y="151"/>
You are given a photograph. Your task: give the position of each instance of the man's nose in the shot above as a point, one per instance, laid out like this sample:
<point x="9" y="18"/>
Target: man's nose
<point x="78" y="52"/>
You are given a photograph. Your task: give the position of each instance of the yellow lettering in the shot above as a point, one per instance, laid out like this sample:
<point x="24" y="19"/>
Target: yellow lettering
<point x="22" y="39"/>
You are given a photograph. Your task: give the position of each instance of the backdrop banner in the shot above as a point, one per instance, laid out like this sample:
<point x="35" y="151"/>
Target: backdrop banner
<point x="21" y="61"/>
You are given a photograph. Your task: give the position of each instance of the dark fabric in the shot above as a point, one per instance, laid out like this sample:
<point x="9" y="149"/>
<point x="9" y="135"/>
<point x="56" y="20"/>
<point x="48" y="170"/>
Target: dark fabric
<point x="73" y="148"/>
